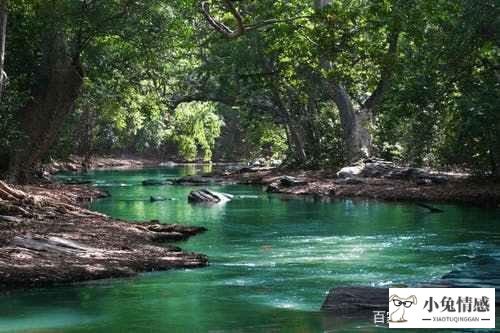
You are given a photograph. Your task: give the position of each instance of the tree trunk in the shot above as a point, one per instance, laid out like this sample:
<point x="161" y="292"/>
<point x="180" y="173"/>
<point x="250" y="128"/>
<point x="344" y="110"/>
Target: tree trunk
<point x="296" y="143"/>
<point x="355" y="125"/>
<point x="86" y="135"/>
<point x="3" y="36"/>
<point x="53" y="98"/>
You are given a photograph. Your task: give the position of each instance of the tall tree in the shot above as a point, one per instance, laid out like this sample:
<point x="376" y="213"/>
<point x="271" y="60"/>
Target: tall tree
<point x="356" y="114"/>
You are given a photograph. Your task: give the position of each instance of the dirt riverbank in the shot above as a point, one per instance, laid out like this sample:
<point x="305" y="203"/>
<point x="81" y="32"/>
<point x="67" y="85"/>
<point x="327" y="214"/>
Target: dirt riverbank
<point x="47" y="237"/>
<point x="78" y="163"/>
<point x="452" y="189"/>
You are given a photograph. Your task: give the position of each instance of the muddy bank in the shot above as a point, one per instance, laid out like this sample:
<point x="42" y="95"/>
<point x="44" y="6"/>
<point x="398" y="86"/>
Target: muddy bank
<point x="435" y="188"/>
<point x="46" y="238"/>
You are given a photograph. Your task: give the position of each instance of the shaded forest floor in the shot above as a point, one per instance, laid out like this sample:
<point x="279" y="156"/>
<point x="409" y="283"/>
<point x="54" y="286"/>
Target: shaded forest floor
<point x="47" y="237"/>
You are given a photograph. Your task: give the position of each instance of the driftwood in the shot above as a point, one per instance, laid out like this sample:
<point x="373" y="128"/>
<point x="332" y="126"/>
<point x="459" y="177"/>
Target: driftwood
<point x="51" y="244"/>
<point x="14" y="202"/>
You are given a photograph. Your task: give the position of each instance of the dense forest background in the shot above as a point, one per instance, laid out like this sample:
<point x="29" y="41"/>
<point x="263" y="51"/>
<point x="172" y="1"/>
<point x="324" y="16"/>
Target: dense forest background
<point x="317" y="84"/>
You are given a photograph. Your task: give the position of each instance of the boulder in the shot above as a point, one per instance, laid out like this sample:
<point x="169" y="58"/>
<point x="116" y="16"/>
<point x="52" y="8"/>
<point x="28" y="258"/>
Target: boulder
<point x="439" y="180"/>
<point x="376" y="168"/>
<point x="288" y="181"/>
<point x="72" y="167"/>
<point x="353" y="300"/>
<point x="194" y="180"/>
<point x="407" y="173"/>
<point x="258" y="162"/>
<point x="273" y="188"/>
<point x="480" y="271"/>
<point x="275" y="162"/>
<point x="208" y="196"/>
<point x="154" y="198"/>
<point x="154" y="182"/>
<point x="423" y="181"/>
<point x="350" y="171"/>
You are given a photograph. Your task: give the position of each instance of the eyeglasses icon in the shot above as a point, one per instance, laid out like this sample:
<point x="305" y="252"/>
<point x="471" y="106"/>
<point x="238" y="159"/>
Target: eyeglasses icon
<point x="406" y="304"/>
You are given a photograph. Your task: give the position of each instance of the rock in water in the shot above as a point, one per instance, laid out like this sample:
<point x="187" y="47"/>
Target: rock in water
<point x="194" y="180"/>
<point x="156" y="198"/>
<point x="356" y="300"/>
<point x="154" y="182"/>
<point x="208" y="196"/>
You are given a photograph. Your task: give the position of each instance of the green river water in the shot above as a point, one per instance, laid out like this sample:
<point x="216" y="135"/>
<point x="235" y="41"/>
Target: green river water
<point x="272" y="261"/>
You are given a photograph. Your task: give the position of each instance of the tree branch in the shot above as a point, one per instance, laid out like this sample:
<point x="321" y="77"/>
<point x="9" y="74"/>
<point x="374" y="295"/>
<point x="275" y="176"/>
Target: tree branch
<point x="241" y="28"/>
<point x="387" y="71"/>
<point x="221" y="27"/>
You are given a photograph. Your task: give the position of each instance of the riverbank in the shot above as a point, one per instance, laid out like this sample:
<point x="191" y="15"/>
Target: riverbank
<point x="77" y="163"/>
<point x="445" y="188"/>
<point x="47" y="238"/>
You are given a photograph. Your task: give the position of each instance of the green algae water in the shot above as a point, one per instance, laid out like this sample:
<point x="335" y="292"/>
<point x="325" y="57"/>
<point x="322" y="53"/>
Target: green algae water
<point x="272" y="261"/>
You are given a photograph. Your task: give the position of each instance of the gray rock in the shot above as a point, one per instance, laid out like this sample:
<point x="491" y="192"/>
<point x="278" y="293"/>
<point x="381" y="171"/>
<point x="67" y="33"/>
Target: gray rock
<point x="272" y="188"/>
<point x="194" y="180"/>
<point x="158" y="198"/>
<point x="350" y="172"/>
<point x="423" y="181"/>
<point x="479" y="272"/>
<point x="208" y="196"/>
<point x="376" y="168"/>
<point x="353" y="300"/>
<point x="439" y="180"/>
<point x="154" y="182"/>
<point x="288" y="181"/>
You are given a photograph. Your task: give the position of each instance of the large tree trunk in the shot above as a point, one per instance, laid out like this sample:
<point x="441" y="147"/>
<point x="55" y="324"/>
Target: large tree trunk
<point x="356" y="125"/>
<point x="53" y="98"/>
<point x="3" y="37"/>
<point x="296" y="143"/>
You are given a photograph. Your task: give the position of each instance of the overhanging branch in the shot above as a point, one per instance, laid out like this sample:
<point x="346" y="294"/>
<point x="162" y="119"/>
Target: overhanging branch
<point x="241" y="28"/>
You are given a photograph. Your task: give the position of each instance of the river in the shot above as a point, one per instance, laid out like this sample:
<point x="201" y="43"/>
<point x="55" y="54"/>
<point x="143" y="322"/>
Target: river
<point x="272" y="261"/>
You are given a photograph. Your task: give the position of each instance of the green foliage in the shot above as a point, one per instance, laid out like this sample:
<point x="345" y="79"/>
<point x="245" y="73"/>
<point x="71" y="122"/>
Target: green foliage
<point x="194" y="128"/>
<point x="142" y="59"/>
<point x="443" y="107"/>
